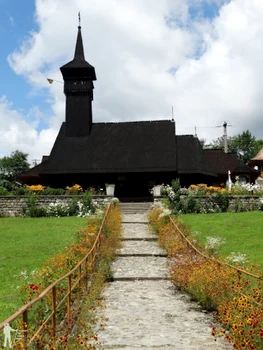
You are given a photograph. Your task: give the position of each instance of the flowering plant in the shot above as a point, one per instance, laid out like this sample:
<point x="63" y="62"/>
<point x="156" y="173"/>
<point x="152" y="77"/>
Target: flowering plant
<point x="74" y="189"/>
<point x="36" y="188"/>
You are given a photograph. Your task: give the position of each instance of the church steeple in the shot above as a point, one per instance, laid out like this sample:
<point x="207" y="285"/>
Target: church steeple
<point x="78" y="77"/>
<point x="79" y="50"/>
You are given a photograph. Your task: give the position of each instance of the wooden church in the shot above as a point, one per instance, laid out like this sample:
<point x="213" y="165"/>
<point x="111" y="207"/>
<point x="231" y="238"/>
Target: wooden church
<point x="134" y="156"/>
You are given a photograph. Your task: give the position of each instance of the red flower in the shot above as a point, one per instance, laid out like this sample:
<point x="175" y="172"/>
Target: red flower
<point x="33" y="286"/>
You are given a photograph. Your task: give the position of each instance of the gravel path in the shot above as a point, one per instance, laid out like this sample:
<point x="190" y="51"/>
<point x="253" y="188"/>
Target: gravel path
<point x="144" y="309"/>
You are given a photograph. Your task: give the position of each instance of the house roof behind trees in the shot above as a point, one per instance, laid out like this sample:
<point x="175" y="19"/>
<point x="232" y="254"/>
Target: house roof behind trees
<point x="222" y="162"/>
<point x="258" y="157"/>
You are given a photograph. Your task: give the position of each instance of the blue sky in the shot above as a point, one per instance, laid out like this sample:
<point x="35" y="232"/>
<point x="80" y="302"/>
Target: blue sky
<point x="203" y="57"/>
<point x="16" y="22"/>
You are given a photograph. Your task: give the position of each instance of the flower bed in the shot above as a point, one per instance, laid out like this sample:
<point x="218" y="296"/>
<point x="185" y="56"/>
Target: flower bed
<point x="234" y="291"/>
<point x="209" y="199"/>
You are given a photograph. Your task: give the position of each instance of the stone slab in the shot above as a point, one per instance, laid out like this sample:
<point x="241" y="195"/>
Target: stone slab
<point x="140" y="218"/>
<point x="141" y="247"/>
<point x="153" y="315"/>
<point x="134" y="230"/>
<point x="139" y="267"/>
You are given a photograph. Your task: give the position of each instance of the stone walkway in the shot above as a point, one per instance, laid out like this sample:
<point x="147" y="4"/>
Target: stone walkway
<point x="144" y="310"/>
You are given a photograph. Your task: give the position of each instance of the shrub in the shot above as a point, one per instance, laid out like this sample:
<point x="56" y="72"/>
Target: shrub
<point x="57" y="209"/>
<point x="189" y="205"/>
<point x="238" y="206"/>
<point x="3" y="191"/>
<point x="32" y="210"/>
<point x="49" y="191"/>
<point x="222" y="201"/>
<point x="20" y="191"/>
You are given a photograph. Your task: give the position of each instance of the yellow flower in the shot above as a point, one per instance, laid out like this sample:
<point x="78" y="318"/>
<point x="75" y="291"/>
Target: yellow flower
<point x="75" y="188"/>
<point x="35" y="188"/>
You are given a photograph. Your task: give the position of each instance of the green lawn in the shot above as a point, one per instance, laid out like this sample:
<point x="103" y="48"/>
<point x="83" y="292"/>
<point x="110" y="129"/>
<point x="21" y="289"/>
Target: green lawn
<point x="25" y="244"/>
<point x="243" y="231"/>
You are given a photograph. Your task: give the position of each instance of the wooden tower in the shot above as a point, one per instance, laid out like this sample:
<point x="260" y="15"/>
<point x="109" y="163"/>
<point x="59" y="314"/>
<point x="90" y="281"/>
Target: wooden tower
<point x="78" y="77"/>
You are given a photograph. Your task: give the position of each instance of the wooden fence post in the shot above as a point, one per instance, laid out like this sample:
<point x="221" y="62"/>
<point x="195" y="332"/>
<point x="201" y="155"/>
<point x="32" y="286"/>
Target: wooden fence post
<point x="54" y="309"/>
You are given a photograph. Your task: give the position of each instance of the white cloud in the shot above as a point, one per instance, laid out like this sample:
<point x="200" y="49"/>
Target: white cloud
<point x="18" y="134"/>
<point x="133" y="46"/>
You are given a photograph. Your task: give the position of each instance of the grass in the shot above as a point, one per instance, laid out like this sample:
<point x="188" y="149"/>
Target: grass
<point x="26" y="243"/>
<point x="242" y="231"/>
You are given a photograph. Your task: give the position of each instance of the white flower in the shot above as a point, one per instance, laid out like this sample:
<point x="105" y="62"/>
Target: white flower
<point x="24" y="274"/>
<point x="165" y="212"/>
<point x="237" y="258"/>
<point x="214" y="242"/>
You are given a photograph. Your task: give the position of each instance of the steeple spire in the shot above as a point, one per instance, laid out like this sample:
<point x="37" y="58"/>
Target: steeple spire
<point x="79" y="66"/>
<point x="79" y="50"/>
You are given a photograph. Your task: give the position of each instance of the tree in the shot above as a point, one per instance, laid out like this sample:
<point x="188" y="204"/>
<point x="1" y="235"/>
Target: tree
<point x="258" y="147"/>
<point x="219" y="144"/>
<point x="244" y="145"/>
<point x="11" y="167"/>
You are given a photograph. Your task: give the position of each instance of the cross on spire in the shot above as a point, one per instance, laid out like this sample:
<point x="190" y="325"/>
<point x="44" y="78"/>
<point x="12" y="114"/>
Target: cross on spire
<point x="79" y="19"/>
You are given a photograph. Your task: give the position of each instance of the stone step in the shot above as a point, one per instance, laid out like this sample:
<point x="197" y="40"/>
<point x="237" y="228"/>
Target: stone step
<point x="149" y="239"/>
<point x="142" y="254"/>
<point x="132" y="211"/>
<point x="127" y="221"/>
<point x="125" y="279"/>
<point x="141" y="248"/>
<point x="135" y="208"/>
<point x="135" y="218"/>
<point x="137" y="231"/>
<point x="135" y="204"/>
<point x="140" y="267"/>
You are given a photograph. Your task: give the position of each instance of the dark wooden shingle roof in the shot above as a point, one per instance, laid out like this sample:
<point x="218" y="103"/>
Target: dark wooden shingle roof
<point x="34" y="172"/>
<point x="116" y="147"/>
<point x="191" y="157"/>
<point x="222" y="162"/>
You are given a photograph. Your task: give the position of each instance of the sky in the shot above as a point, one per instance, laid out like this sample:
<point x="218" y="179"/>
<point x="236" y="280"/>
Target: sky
<point x="197" y="61"/>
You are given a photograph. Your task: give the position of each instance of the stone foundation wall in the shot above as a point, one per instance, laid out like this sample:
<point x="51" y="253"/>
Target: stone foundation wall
<point x="249" y="202"/>
<point x="13" y="206"/>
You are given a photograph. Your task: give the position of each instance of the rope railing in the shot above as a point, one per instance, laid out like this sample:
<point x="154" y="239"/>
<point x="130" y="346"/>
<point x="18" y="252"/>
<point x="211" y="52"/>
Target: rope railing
<point x="209" y="258"/>
<point x="77" y="274"/>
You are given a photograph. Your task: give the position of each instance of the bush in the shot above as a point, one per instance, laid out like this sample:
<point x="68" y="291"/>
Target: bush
<point x="49" y="191"/>
<point x="57" y="209"/>
<point x="3" y="191"/>
<point x="79" y="205"/>
<point x="32" y="210"/>
<point x="239" y="207"/>
<point x="20" y="191"/>
<point x="189" y="205"/>
<point x="222" y="201"/>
